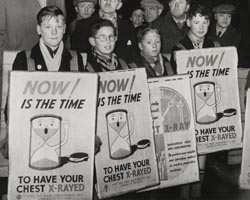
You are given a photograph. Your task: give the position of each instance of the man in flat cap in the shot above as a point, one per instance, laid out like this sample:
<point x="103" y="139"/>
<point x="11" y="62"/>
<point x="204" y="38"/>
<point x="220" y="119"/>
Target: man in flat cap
<point x="84" y="9"/>
<point x="222" y="31"/>
<point x="152" y="10"/>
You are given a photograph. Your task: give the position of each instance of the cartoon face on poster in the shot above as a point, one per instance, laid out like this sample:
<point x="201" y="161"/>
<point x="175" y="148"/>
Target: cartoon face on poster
<point x="213" y="74"/>
<point x="57" y="129"/>
<point x="127" y="159"/>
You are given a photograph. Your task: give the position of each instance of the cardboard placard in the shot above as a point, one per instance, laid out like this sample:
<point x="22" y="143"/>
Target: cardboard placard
<point x="127" y="160"/>
<point x="213" y="74"/>
<point x="172" y="112"/>
<point x="51" y="135"/>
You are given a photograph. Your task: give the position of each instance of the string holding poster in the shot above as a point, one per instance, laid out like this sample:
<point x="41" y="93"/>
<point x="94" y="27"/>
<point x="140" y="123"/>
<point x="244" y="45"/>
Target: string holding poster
<point x="51" y="135"/>
<point x="127" y="160"/>
<point x="172" y="112"/>
<point x="213" y="74"/>
<point x="245" y="165"/>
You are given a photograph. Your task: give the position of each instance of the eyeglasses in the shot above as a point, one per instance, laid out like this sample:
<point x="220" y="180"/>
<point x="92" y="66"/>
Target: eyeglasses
<point x="105" y="38"/>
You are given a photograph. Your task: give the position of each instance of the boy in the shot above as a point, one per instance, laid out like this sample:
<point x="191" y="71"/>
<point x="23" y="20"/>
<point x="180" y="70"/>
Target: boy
<point x="49" y="54"/>
<point x="126" y="47"/>
<point x="198" y="20"/>
<point x="103" y="39"/>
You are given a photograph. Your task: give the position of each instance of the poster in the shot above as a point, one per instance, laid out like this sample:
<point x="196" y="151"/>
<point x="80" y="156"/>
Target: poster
<point x="245" y="165"/>
<point x="8" y="58"/>
<point x="235" y="156"/>
<point x="214" y="83"/>
<point x="172" y="112"/>
<point x="51" y="135"/>
<point x="127" y="160"/>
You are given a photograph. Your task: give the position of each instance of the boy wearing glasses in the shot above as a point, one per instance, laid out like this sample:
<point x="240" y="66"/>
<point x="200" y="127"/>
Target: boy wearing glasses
<point x="126" y="45"/>
<point x="103" y="39"/>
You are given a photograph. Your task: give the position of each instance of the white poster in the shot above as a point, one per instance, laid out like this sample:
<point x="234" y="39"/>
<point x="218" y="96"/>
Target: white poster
<point x="214" y="82"/>
<point x="127" y="160"/>
<point x="51" y="135"/>
<point x="172" y="112"/>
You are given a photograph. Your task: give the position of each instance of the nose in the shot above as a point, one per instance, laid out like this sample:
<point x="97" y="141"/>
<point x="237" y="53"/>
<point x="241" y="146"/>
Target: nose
<point x="54" y="31"/>
<point x="154" y="44"/>
<point x="108" y="2"/>
<point x="202" y="27"/>
<point x="176" y="5"/>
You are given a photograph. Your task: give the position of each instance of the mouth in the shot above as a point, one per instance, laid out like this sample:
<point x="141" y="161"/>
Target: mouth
<point x="46" y="130"/>
<point x="205" y="94"/>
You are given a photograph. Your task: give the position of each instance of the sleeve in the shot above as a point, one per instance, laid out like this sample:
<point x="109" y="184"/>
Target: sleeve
<point x="20" y="62"/>
<point x="79" y="38"/>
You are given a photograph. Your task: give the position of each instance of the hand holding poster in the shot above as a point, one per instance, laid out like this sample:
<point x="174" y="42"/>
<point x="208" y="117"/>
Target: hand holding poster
<point x="127" y="160"/>
<point x="51" y="135"/>
<point x="172" y="112"/>
<point x="213" y="74"/>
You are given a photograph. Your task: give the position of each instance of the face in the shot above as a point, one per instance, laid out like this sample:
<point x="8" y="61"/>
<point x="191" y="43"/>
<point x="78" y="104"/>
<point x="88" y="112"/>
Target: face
<point x="137" y="17"/>
<point x="45" y="127"/>
<point x="151" y="44"/>
<point x="117" y="121"/>
<point x="198" y="26"/>
<point x="85" y="9"/>
<point x="178" y="8"/>
<point x="106" y="46"/>
<point x="223" y="20"/>
<point x="52" y="30"/>
<point x="151" y="13"/>
<point x="109" y="6"/>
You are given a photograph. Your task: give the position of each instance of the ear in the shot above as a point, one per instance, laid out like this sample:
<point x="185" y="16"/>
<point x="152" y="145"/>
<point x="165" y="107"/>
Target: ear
<point x="188" y="22"/>
<point x="38" y="29"/>
<point x="64" y="28"/>
<point x="119" y="5"/>
<point x="187" y="8"/>
<point x="76" y="9"/>
<point x="92" y="41"/>
<point x="139" y="45"/>
<point x="159" y="11"/>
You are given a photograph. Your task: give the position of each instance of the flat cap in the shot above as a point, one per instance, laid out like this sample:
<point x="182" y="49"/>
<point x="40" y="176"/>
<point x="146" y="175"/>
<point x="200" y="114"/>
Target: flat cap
<point x="75" y="2"/>
<point x="224" y="8"/>
<point x="151" y="3"/>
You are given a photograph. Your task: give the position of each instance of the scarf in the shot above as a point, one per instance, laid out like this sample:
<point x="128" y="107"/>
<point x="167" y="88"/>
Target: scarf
<point x="108" y="64"/>
<point x="155" y="63"/>
<point x="54" y="63"/>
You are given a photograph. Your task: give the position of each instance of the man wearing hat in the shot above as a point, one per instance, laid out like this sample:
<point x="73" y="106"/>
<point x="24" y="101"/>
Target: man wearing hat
<point x="152" y="9"/>
<point x="84" y="9"/>
<point x="173" y="25"/>
<point x="222" y="31"/>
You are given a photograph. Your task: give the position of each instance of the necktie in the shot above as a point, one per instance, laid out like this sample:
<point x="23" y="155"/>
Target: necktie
<point x="180" y="25"/>
<point x="219" y="34"/>
<point x="157" y="67"/>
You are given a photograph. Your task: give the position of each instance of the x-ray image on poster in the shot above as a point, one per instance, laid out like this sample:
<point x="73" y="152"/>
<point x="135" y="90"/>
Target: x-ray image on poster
<point x="173" y="122"/>
<point x="52" y="119"/>
<point x="217" y="113"/>
<point x="127" y="159"/>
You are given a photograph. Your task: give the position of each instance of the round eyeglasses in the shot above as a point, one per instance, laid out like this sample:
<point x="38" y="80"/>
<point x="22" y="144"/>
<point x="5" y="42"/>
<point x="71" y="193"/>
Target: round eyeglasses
<point x="105" y="38"/>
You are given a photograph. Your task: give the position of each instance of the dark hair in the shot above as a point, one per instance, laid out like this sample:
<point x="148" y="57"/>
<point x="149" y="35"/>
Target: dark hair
<point x="49" y="12"/>
<point x="99" y="24"/>
<point x="201" y="9"/>
<point x="142" y="32"/>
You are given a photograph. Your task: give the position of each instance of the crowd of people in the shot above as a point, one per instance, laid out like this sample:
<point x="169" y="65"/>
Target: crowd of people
<point x="99" y="39"/>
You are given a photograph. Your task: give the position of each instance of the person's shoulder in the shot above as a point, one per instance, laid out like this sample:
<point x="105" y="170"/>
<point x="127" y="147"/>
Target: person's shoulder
<point x="161" y="20"/>
<point x="20" y="62"/>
